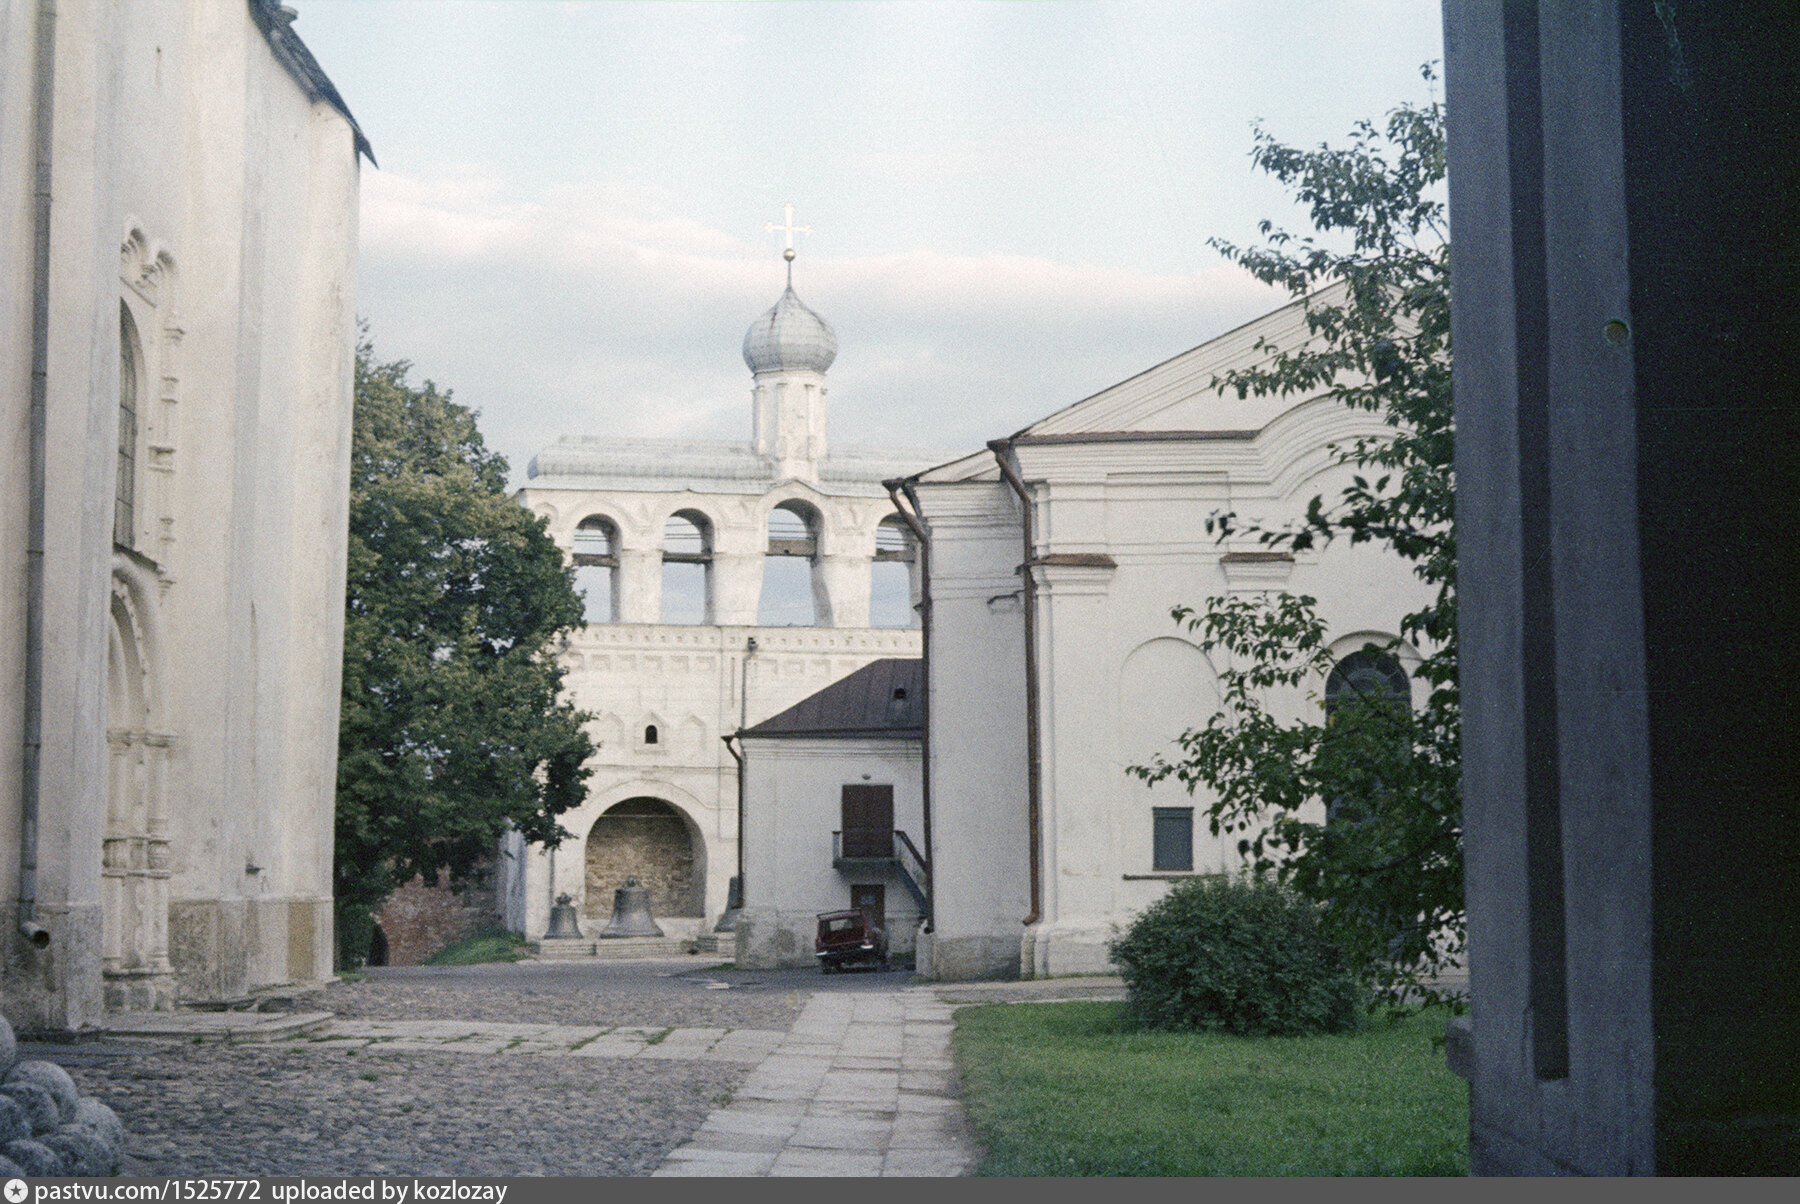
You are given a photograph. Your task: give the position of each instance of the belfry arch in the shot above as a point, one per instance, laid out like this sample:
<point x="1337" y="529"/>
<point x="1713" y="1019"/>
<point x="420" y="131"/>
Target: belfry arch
<point x="656" y="843"/>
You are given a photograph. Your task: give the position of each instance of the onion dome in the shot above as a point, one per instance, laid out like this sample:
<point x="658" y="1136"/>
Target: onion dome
<point x="789" y="336"/>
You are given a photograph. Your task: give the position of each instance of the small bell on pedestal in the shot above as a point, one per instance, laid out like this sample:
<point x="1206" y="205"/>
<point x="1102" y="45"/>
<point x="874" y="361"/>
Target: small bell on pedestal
<point x="563" y="921"/>
<point x="631" y="913"/>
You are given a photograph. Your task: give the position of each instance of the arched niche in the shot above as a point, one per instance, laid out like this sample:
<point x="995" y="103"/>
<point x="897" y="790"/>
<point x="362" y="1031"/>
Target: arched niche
<point x="653" y="841"/>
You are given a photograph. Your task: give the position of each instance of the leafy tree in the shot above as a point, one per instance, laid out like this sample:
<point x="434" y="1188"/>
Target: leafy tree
<point x="453" y="727"/>
<point x="1375" y="280"/>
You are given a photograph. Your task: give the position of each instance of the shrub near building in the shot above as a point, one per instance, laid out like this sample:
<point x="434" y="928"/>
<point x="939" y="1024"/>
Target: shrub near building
<point x="1236" y="955"/>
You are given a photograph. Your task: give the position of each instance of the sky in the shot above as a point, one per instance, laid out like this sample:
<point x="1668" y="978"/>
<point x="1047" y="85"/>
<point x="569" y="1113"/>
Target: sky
<point x="1010" y="202"/>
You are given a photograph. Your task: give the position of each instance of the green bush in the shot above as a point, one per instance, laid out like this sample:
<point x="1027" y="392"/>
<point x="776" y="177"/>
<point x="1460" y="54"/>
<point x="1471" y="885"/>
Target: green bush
<point x="1236" y="955"/>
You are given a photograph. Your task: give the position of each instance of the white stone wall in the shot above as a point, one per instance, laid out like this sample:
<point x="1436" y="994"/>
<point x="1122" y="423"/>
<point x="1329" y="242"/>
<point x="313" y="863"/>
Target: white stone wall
<point x="977" y="714"/>
<point x="793" y="803"/>
<point x="191" y="680"/>
<point x="696" y="683"/>
<point x="1120" y="540"/>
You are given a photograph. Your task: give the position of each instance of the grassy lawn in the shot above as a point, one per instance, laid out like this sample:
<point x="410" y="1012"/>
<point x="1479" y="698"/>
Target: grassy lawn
<point x="495" y="945"/>
<point x="1058" y="1089"/>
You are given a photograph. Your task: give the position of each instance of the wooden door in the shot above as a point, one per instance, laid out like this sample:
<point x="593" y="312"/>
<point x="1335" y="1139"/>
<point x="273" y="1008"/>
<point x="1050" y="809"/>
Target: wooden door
<point x="871" y="900"/>
<point x="868" y="821"/>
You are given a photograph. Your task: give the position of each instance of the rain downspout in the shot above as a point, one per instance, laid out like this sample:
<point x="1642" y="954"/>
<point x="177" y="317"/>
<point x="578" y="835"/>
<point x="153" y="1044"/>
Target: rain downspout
<point x="914" y="522"/>
<point x="1009" y="468"/>
<point x="43" y="85"/>
<point x="728" y="921"/>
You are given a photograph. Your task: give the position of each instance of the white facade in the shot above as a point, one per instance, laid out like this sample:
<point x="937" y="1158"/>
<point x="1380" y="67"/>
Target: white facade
<point x="673" y="541"/>
<point x="187" y="283"/>
<point x="1120" y="488"/>
<point x="792" y="789"/>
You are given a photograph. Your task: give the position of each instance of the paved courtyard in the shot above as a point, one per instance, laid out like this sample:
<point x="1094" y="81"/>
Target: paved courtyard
<point x="550" y="1069"/>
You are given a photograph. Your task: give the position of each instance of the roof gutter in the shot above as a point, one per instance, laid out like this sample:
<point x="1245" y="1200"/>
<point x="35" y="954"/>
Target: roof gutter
<point x="1008" y="461"/>
<point x="913" y="517"/>
<point x="43" y="88"/>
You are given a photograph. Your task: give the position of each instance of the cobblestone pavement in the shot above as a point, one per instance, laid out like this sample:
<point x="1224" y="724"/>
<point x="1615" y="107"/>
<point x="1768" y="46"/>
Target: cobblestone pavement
<point x="477" y="1071"/>
<point x="299" y="1108"/>
<point x="655" y="994"/>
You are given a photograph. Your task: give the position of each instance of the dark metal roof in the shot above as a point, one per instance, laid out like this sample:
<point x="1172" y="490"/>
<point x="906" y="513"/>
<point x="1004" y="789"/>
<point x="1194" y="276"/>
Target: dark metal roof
<point x="276" y="21"/>
<point x="883" y="698"/>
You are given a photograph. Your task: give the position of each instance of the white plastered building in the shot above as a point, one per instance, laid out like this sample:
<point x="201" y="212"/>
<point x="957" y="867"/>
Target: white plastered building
<point x="834" y="815"/>
<point x="178" y="201"/>
<point x="724" y="582"/>
<point x="1053" y="662"/>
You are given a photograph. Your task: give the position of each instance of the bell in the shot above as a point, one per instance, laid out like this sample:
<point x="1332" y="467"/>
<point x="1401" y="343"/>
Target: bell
<point x="734" y="903"/>
<point x="631" y="912"/>
<point x="563" y="921"/>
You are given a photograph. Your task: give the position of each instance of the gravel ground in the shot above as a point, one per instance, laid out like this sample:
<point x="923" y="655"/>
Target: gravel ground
<point x="293" y="1108"/>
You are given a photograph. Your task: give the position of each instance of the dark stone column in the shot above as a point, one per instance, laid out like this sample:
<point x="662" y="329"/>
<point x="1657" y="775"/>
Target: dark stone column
<point x="1626" y="242"/>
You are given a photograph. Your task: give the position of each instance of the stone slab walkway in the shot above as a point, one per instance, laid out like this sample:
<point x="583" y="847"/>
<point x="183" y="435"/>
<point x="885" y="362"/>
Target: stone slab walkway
<point x="862" y="1085"/>
<point x="744" y="1046"/>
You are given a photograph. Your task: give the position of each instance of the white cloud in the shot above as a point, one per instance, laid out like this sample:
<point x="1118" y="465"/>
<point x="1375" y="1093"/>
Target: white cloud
<point x="599" y="310"/>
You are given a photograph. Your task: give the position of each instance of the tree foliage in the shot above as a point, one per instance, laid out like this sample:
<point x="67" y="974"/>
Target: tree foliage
<point x="452" y="726"/>
<point x="1386" y="858"/>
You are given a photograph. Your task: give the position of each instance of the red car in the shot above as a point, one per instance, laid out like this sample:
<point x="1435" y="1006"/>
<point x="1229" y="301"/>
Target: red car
<point x="848" y="938"/>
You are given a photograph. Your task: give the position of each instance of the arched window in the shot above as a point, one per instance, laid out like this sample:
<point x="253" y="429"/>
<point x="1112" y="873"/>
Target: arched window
<point x="125" y="482"/>
<point x="650" y="736"/>
<point x="1367" y="674"/>
<point x="687" y="568"/>
<point x="597" y="568"/>
<point x="893" y="586"/>
<point x="1364" y="693"/>
<point x="789" y="589"/>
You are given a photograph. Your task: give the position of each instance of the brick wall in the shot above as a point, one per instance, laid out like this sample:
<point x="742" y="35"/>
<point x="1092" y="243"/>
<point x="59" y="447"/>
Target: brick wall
<point x="418" y="920"/>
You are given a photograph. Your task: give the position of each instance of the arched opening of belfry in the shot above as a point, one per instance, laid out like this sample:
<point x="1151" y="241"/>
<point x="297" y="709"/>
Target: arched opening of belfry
<point x="652" y="841"/>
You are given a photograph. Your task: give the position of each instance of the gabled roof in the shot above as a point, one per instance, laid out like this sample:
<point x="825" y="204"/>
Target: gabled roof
<point x="1172" y="401"/>
<point x="276" y="22"/>
<point x="883" y="698"/>
<point x="1178" y="394"/>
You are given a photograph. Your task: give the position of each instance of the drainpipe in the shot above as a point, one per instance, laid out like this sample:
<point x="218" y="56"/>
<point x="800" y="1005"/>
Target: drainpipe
<point x="911" y="515"/>
<point x="1009" y="468"/>
<point x="739" y="758"/>
<point x="43" y="87"/>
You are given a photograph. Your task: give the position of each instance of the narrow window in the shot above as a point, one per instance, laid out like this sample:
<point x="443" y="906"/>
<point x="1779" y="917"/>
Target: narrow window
<point x="893" y="577"/>
<point x="650" y="734"/>
<point x="687" y="568"/>
<point x="597" y="569"/>
<point x="125" y="482"/>
<point x="789" y="590"/>
<point x="1172" y="839"/>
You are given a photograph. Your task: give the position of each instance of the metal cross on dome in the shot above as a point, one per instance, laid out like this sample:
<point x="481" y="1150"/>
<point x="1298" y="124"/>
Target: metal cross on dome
<point x="790" y="229"/>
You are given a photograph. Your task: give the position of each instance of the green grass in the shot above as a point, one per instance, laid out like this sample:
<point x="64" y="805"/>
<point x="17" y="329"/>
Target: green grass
<point x="495" y="945"/>
<point x="1061" y="1089"/>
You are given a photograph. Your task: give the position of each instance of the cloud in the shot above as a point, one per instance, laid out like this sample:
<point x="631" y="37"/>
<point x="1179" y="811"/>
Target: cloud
<point x="601" y="309"/>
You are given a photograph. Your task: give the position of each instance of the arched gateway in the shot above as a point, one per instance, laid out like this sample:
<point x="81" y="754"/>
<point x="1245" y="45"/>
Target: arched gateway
<point x="652" y="841"/>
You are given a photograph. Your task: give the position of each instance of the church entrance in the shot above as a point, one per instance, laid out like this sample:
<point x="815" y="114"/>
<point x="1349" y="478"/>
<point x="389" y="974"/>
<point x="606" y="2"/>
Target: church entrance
<point x="135" y="866"/>
<point x="646" y="839"/>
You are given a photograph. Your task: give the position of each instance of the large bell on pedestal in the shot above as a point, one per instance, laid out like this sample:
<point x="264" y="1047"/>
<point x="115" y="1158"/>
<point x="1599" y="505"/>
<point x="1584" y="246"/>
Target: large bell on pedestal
<point x="631" y="913"/>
